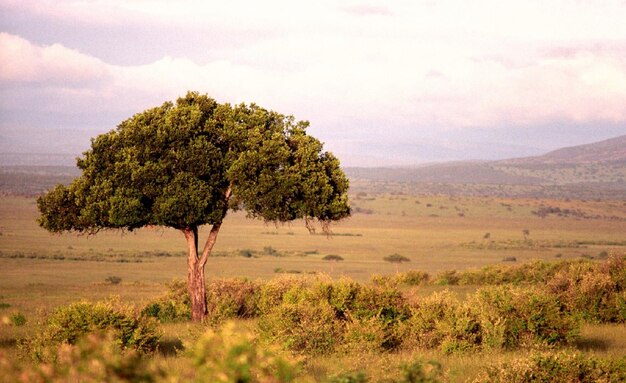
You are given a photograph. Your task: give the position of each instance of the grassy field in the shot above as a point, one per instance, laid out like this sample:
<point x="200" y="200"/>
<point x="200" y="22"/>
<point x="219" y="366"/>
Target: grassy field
<point x="39" y="271"/>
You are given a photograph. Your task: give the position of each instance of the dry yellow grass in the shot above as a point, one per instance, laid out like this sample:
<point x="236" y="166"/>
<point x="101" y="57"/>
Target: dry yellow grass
<point x="397" y="224"/>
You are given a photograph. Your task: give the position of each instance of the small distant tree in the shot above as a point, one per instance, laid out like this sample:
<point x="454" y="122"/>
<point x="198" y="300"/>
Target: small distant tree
<point x="187" y="164"/>
<point x="526" y="234"/>
<point x="333" y="257"/>
<point x="396" y="258"/>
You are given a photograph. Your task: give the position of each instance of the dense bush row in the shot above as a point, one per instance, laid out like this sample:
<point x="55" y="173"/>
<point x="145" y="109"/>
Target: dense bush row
<point x="233" y="355"/>
<point x="318" y="316"/>
<point x="535" y="303"/>
<point x="596" y="291"/>
<point x="536" y="272"/>
<point x="562" y="366"/>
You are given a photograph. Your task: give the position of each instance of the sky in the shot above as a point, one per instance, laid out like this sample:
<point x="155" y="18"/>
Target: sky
<point x="383" y="83"/>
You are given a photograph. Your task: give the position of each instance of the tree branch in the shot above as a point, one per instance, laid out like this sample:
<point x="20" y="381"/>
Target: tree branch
<point x="215" y="229"/>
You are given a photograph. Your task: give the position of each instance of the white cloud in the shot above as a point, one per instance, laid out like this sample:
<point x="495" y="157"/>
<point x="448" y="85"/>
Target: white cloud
<point x="21" y="61"/>
<point x="395" y="65"/>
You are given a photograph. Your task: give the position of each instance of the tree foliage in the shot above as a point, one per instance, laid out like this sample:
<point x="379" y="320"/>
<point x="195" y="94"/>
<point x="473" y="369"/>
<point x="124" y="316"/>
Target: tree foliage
<point x="187" y="163"/>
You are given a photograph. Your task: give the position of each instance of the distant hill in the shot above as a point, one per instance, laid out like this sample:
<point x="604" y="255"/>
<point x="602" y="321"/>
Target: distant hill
<point x="597" y="168"/>
<point x="611" y="150"/>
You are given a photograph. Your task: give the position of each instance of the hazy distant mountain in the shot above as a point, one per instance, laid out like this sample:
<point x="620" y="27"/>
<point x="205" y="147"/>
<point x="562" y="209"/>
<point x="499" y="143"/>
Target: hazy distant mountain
<point x="611" y="150"/>
<point x="597" y="163"/>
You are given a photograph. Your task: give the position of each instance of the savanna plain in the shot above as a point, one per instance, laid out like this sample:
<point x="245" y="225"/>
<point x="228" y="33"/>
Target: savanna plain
<point x="412" y="287"/>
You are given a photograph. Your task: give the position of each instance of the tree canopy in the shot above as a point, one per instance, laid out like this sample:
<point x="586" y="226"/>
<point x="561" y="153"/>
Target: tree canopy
<point x="185" y="164"/>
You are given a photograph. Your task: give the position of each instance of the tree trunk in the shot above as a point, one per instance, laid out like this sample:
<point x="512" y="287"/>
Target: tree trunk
<point x="195" y="269"/>
<point x="195" y="276"/>
<point x="196" y="262"/>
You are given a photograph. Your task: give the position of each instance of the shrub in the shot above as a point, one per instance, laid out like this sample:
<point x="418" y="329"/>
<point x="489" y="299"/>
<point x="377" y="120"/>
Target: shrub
<point x="396" y="258"/>
<point x="414" y="278"/>
<point x="461" y="331"/>
<point x="529" y="273"/>
<point x="511" y="317"/>
<point x="67" y="324"/>
<point x="359" y="301"/>
<point x="174" y="306"/>
<point x="332" y="257"/>
<point x="319" y="317"/>
<point x="409" y="278"/>
<point x="270" y="294"/>
<point x="419" y="372"/>
<point x="231" y="298"/>
<point x="231" y="355"/>
<point x="446" y="278"/>
<point x="563" y="366"/>
<point x="383" y="280"/>
<point x="114" y="280"/>
<point x="365" y="335"/>
<point x="301" y="326"/>
<point x="95" y="358"/>
<point x="18" y="319"/>
<point x="246" y="253"/>
<point x="595" y="292"/>
<point x="492" y="318"/>
<point x="423" y="328"/>
<point x="350" y="377"/>
<point x="416" y="372"/>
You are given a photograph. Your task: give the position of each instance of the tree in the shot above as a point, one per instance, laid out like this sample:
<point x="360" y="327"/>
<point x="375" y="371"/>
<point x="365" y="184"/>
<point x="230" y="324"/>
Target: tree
<point x="187" y="164"/>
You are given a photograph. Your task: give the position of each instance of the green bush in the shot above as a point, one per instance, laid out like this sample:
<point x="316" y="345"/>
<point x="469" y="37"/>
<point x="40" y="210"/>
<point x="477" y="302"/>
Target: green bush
<point x="447" y="278"/>
<point x="231" y="355"/>
<point x="364" y="336"/>
<point x="511" y="317"/>
<point x="322" y="315"/>
<point x="440" y="321"/>
<point x="419" y="372"/>
<point x="414" y="278"/>
<point x="492" y="318"/>
<point x="67" y="324"/>
<point x="563" y="366"/>
<point x="408" y="278"/>
<point x="18" y="319"/>
<point x="594" y="291"/>
<point x="416" y="372"/>
<point x="361" y="301"/>
<point x="423" y="328"/>
<point x="174" y="306"/>
<point x="270" y="294"/>
<point x="231" y="298"/>
<point x="350" y="377"/>
<point x="526" y="273"/>
<point x="461" y="331"/>
<point x="303" y="326"/>
<point x="94" y="358"/>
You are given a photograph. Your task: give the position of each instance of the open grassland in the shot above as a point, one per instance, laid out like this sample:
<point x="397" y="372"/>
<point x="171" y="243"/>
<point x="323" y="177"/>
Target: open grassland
<point x="40" y="271"/>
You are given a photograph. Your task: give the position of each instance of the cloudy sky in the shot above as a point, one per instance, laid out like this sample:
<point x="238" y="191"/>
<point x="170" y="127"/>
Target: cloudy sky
<point x="382" y="82"/>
